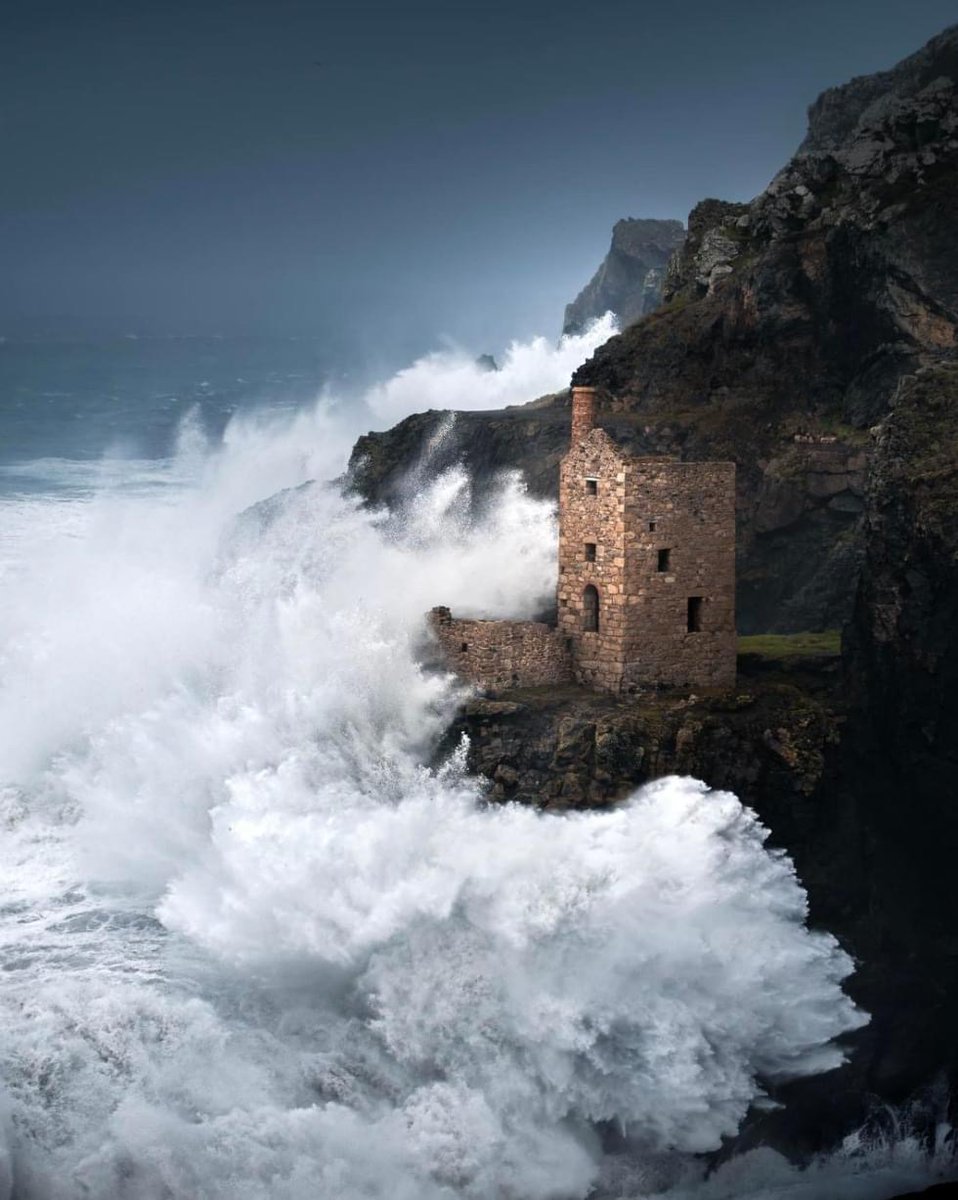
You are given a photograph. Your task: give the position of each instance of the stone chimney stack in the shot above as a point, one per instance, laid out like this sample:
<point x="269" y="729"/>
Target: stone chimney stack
<point x="583" y="412"/>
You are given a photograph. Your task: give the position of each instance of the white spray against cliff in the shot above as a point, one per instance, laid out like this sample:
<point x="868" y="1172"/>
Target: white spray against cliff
<point x="254" y="948"/>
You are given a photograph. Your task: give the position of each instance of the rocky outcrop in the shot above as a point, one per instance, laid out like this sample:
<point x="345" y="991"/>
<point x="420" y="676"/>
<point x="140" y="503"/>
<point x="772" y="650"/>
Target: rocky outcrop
<point x="840" y="112"/>
<point x="568" y="747"/>
<point x="901" y="661"/>
<point x="707" y="253"/>
<point x="629" y="280"/>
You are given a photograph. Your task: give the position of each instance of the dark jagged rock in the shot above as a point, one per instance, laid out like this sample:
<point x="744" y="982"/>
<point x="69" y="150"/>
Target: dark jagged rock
<point x="708" y="251"/>
<point x="630" y="278"/>
<point x="789" y="323"/>
<point x="833" y="118"/>
<point x="385" y="467"/>
<point x="568" y="747"/>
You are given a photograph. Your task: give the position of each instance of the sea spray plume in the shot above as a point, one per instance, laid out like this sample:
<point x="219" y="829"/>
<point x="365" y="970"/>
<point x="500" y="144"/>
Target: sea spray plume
<point x="870" y="1164"/>
<point x="308" y="659"/>
<point x="453" y="378"/>
<point x="367" y="982"/>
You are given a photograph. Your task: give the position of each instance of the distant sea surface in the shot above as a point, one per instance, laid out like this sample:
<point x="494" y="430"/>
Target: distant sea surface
<point x="67" y="405"/>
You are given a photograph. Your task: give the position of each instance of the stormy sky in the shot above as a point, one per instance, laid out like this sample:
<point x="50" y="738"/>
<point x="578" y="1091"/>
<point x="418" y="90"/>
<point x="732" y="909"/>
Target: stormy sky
<point x="387" y="173"/>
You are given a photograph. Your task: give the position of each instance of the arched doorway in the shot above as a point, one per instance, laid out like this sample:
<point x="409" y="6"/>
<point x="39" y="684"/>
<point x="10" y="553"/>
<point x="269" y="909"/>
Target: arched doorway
<point x="590" y="610"/>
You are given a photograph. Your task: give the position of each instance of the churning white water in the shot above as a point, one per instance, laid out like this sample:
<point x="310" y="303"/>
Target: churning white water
<point x="252" y="947"/>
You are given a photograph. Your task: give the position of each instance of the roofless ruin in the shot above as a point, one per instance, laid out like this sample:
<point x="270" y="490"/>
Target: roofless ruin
<point x="646" y="589"/>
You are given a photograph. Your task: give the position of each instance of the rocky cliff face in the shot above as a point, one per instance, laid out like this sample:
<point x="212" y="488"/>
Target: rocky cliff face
<point x="630" y="278"/>
<point x="789" y="323"/>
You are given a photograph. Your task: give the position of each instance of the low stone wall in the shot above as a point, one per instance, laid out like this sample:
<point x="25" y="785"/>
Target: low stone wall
<point x="496" y="655"/>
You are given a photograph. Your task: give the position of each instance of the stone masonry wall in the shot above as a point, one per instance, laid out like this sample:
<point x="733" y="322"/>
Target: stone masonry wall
<point x="496" y="655"/>
<point x="598" y="520"/>
<point x="692" y="505"/>
<point x="637" y="508"/>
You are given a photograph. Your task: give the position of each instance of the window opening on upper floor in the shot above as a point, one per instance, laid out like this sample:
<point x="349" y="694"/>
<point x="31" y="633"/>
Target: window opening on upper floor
<point x="590" y="552"/>
<point x="590" y="610"/>
<point x="665" y="557"/>
<point x="651" y="527"/>
<point x="694" y="623"/>
<point x="592" y="487"/>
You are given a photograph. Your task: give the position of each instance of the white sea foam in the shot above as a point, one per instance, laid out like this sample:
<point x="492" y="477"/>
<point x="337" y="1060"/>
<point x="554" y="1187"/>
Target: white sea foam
<point x="454" y="379"/>
<point x="254" y="948"/>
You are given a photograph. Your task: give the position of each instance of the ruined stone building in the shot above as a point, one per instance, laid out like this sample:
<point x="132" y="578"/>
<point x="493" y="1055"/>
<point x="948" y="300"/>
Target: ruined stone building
<point x="646" y="589"/>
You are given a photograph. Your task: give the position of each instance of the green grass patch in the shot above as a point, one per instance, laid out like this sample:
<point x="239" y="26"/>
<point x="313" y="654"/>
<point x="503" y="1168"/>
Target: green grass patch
<point x="792" y="645"/>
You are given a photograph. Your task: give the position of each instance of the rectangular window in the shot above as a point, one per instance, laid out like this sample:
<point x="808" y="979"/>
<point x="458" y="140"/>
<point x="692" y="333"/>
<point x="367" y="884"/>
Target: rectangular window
<point x="651" y="527"/>
<point x="592" y="487"/>
<point x="590" y="552"/>
<point x="694" y="623"/>
<point x="664" y="557"/>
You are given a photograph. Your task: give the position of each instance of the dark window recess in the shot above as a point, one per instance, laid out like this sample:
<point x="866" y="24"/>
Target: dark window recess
<point x="464" y="647"/>
<point x="664" y="557"/>
<point x="590" y="552"/>
<point x="651" y="527"/>
<point x="695" y="614"/>
<point x="590" y="610"/>
<point x="592" y="487"/>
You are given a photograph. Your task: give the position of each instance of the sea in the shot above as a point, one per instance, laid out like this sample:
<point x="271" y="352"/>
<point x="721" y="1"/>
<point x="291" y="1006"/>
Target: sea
<point x="255" y="942"/>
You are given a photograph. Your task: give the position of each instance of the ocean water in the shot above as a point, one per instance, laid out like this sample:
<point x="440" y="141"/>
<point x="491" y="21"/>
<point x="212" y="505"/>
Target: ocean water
<point x="251" y="945"/>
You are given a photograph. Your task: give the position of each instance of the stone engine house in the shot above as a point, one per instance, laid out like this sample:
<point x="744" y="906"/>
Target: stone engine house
<point x="646" y="589"/>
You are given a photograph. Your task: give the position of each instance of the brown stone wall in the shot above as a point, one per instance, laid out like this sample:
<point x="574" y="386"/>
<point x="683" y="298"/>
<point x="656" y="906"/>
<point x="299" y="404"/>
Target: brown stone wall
<point x="639" y="507"/>
<point x="496" y="655"/>
<point x="693" y="508"/>
<point x="599" y="520"/>
<point x="583" y="412"/>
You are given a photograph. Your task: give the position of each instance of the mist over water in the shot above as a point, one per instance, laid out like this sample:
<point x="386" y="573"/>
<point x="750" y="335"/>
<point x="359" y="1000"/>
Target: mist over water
<point x="253" y="947"/>
<point x="453" y="378"/>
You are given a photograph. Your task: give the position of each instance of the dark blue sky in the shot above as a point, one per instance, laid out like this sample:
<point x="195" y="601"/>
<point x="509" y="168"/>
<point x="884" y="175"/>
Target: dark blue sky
<point x="387" y="172"/>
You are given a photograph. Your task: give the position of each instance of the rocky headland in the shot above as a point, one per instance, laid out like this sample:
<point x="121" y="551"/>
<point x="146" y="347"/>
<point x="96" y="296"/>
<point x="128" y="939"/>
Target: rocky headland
<point x="630" y="278"/>
<point x="812" y="336"/>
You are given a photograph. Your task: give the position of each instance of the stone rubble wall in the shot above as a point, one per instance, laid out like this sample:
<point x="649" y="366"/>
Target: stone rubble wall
<point x="496" y="655"/>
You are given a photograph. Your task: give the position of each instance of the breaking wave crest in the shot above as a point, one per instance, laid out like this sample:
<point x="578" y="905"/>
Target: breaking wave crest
<point x="254" y="947"/>
<point x="455" y="379"/>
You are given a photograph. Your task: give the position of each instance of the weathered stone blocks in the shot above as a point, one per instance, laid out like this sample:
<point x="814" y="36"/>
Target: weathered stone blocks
<point x="502" y="654"/>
